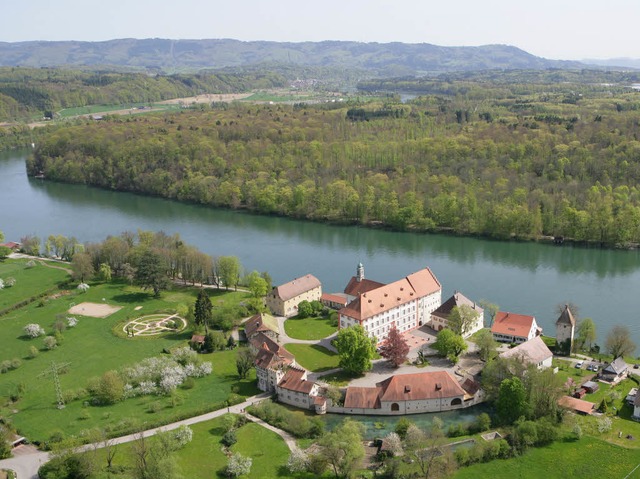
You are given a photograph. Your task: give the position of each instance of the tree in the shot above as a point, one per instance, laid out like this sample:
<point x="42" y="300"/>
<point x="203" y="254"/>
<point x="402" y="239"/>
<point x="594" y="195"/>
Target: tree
<point x="257" y="284"/>
<point x="544" y="389"/>
<point x="304" y="309"/>
<point x="151" y="271"/>
<point x="105" y="272"/>
<point x="356" y="349"/>
<point x="244" y="362"/>
<point x="428" y="451"/>
<point x="342" y="448"/>
<point x="229" y="271"/>
<point x="586" y="333"/>
<point x="109" y="388"/>
<point x="450" y="345"/>
<point x="82" y="266"/>
<point x="238" y="465"/>
<point x="512" y="400"/>
<point x="30" y="245"/>
<point x="395" y="347"/>
<point x="4" y="252"/>
<point x="5" y="443"/>
<point x="619" y="342"/>
<point x="203" y="309"/>
<point x="462" y="318"/>
<point x="486" y="344"/>
<point x="490" y="308"/>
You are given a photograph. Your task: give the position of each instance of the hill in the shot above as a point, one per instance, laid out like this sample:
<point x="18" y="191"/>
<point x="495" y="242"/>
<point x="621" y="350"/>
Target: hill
<point x="180" y="55"/>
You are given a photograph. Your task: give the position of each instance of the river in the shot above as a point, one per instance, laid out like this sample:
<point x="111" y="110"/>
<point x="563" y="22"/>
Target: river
<point x="527" y="278"/>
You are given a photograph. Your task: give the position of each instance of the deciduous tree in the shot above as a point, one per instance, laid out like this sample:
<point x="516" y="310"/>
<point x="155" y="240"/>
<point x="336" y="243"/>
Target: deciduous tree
<point x="356" y="349"/>
<point x="82" y="266"/>
<point x="229" y="271"/>
<point x="586" y="333"/>
<point x="450" y="345"/>
<point x="151" y="271"/>
<point x="244" y="362"/>
<point x="462" y="318"/>
<point x="619" y="342"/>
<point x="512" y="400"/>
<point x="486" y="344"/>
<point x="395" y="348"/>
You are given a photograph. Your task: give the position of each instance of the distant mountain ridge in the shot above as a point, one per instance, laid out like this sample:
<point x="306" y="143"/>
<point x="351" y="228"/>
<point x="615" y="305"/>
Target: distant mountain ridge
<point x="180" y="55"/>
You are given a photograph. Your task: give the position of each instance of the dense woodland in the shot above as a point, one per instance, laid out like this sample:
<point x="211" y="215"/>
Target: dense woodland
<point x="29" y="92"/>
<point x="502" y="160"/>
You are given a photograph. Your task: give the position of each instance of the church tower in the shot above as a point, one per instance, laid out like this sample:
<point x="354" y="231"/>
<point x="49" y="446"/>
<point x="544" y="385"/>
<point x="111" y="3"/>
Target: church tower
<point x="360" y="272"/>
<point x="565" y="329"/>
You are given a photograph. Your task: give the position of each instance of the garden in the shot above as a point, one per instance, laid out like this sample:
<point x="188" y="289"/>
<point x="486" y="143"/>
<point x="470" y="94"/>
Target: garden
<point x="84" y="349"/>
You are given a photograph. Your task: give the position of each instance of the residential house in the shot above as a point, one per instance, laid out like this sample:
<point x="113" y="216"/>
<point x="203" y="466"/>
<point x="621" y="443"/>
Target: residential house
<point x="296" y="390"/>
<point x="514" y="328"/>
<point x="406" y="304"/>
<point x="283" y="300"/>
<point x="12" y="245"/>
<point x="565" y="330"/>
<point x="440" y="317"/>
<point x="410" y="394"/>
<point x="271" y="362"/>
<point x="615" y="371"/>
<point x="534" y="352"/>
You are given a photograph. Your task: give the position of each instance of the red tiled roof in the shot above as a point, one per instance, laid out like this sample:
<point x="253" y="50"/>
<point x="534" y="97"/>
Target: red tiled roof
<point x="297" y="287"/>
<point x="270" y="353"/>
<point x="333" y="298"/>
<point x="359" y="397"/>
<point x="255" y="324"/>
<point x="511" y="324"/>
<point x="197" y="338"/>
<point x="458" y="299"/>
<point x="533" y="351"/>
<point x="294" y="380"/>
<point x="578" y="405"/>
<point x="356" y="288"/>
<point x="11" y="244"/>
<point x="389" y="296"/>
<point x="419" y="386"/>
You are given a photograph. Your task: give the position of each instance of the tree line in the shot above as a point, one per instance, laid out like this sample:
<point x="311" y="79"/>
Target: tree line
<point x="523" y="165"/>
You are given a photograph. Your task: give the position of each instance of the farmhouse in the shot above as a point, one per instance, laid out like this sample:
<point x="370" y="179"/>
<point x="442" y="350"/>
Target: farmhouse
<point x="534" y="352"/>
<point x="410" y="394"/>
<point x="407" y="304"/>
<point x="284" y="299"/>
<point x="514" y="328"/>
<point x="440" y="317"/>
<point x="271" y="361"/>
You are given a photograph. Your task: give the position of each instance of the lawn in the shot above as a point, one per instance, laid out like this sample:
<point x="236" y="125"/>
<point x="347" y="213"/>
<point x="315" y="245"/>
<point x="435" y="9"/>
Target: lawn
<point x="588" y="457"/>
<point x="29" y="281"/>
<point x="203" y="457"/>
<point x="91" y="348"/>
<point x="313" y="357"/>
<point x="339" y="379"/>
<point x="309" y="328"/>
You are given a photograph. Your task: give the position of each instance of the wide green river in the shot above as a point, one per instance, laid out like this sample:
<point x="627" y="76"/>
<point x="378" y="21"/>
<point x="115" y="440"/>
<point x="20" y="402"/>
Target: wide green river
<point x="525" y="278"/>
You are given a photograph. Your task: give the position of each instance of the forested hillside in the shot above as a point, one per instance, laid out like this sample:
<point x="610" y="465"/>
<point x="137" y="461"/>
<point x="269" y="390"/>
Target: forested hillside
<point x="25" y="92"/>
<point x="502" y="160"/>
<point x="190" y="55"/>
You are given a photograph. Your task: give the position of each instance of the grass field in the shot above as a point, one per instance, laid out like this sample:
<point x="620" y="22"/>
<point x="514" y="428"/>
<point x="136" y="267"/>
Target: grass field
<point x="313" y="357"/>
<point x="588" y="457"/>
<point x="309" y="328"/>
<point x="29" y="281"/>
<point x="92" y="348"/>
<point x="275" y="97"/>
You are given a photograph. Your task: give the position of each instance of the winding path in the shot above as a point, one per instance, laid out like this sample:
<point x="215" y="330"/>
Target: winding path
<point x="26" y="466"/>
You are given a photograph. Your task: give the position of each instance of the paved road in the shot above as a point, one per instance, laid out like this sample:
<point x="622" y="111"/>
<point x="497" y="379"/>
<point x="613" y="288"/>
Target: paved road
<point x="27" y="465"/>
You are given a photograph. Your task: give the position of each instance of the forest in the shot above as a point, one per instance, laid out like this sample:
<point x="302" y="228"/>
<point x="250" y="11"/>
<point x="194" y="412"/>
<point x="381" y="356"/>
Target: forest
<point x="30" y="92"/>
<point x="499" y="159"/>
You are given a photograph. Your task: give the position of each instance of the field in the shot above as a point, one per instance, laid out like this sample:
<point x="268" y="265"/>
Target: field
<point x="313" y="357"/>
<point x="309" y="328"/>
<point x="92" y="348"/>
<point x="588" y="457"/>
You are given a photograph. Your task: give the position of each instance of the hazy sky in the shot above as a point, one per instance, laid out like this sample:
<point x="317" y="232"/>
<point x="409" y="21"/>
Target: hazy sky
<point x="559" y="29"/>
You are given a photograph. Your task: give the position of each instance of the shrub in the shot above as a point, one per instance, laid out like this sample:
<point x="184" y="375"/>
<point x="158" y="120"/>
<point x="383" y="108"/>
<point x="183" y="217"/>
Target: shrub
<point x="30" y="264"/>
<point x="5" y="366"/>
<point x="33" y="330"/>
<point x="33" y="352"/>
<point x="238" y="465"/>
<point x="59" y="325"/>
<point x="298" y="461"/>
<point x="604" y="424"/>
<point x="229" y="438"/>
<point x="72" y="322"/>
<point x="9" y="282"/>
<point x="84" y="287"/>
<point x="50" y="343"/>
<point x="183" y="435"/>
<point x="15" y="363"/>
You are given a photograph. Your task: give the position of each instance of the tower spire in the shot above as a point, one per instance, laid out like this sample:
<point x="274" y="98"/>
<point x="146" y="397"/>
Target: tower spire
<point x="360" y="272"/>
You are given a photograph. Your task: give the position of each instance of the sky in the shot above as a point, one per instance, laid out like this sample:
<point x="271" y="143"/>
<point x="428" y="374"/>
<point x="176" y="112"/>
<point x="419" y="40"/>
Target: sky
<point x="556" y="29"/>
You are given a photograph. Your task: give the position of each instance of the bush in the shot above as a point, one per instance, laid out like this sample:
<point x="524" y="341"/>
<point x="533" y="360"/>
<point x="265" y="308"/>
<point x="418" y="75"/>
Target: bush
<point x="50" y="343"/>
<point x="293" y="422"/>
<point x="33" y="352"/>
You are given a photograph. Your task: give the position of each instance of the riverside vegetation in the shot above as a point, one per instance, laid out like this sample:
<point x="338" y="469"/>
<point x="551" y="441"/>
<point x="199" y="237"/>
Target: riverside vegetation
<point x="504" y="159"/>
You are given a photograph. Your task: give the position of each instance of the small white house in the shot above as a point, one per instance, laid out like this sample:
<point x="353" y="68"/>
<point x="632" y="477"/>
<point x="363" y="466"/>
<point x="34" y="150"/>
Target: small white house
<point x="534" y="352"/>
